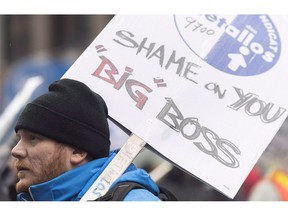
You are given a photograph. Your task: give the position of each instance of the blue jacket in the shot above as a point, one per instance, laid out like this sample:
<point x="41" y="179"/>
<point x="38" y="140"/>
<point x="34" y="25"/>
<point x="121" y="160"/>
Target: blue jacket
<point x="73" y="184"/>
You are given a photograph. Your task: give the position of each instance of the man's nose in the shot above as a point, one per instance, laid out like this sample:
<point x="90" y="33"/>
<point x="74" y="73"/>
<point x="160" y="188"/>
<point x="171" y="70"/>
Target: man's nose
<point x="19" y="150"/>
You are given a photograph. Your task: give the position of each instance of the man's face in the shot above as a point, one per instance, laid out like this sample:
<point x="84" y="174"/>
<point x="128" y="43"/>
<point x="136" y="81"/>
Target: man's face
<point x="38" y="159"/>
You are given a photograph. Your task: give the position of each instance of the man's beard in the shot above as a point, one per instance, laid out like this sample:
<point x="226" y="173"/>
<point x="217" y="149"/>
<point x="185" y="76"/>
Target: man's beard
<point x="49" y="170"/>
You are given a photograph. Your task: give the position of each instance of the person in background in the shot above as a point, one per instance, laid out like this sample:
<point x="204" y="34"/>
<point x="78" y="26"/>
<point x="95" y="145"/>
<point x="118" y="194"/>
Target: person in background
<point x="64" y="145"/>
<point x="273" y="187"/>
<point x="251" y="180"/>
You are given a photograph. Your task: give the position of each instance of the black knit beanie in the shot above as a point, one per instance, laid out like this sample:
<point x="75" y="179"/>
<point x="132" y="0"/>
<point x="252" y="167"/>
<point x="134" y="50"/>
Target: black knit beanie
<point x="70" y="113"/>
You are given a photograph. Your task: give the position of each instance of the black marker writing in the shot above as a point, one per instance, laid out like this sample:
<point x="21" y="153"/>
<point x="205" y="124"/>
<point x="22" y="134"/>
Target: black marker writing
<point x="151" y="51"/>
<point x="183" y="125"/>
<point x="256" y="107"/>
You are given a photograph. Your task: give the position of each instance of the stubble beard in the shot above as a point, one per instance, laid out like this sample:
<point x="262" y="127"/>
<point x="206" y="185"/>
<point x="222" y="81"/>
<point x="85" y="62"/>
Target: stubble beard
<point x="49" y="170"/>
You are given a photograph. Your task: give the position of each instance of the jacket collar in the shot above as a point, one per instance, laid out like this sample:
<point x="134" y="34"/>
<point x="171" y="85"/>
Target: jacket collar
<point x="73" y="184"/>
<point x="69" y="185"/>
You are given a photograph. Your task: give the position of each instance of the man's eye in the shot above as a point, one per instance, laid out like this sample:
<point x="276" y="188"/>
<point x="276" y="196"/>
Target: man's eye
<point x="33" y="137"/>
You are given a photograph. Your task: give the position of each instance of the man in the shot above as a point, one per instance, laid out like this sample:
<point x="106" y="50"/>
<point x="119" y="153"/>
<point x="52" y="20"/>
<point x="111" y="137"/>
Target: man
<point x="64" y="146"/>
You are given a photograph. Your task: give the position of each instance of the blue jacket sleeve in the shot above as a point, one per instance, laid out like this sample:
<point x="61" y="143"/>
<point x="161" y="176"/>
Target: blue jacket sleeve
<point x="140" y="195"/>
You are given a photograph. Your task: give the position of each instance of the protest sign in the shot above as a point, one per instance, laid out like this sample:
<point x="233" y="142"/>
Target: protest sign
<point x="208" y="92"/>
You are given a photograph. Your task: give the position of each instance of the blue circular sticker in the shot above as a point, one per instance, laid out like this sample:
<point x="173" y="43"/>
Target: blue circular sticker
<point x="242" y="45"/>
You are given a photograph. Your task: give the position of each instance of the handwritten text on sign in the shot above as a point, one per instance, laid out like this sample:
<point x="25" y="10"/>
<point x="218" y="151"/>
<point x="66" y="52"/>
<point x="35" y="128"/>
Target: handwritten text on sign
<point x="199" y="91"/>
<point x="249" y="102"/>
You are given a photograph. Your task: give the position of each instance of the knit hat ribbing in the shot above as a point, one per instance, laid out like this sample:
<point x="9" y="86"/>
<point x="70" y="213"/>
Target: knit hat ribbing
<point x="70" y="113"/>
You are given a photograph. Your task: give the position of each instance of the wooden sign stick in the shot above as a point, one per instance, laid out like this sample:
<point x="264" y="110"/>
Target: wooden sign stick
<point x="115" y="168"/>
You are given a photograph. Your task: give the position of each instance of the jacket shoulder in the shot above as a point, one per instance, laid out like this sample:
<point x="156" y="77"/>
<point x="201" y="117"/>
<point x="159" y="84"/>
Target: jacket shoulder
<point x="141" y="195"/>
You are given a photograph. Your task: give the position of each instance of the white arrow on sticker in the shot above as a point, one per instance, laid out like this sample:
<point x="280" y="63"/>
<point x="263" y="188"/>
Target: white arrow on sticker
<point x="237" y="60"/>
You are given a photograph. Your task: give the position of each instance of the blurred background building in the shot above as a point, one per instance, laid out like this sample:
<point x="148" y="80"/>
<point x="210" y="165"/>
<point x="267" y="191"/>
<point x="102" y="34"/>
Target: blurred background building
<point x="47" y="45"/>
<point x="57" y="36"/>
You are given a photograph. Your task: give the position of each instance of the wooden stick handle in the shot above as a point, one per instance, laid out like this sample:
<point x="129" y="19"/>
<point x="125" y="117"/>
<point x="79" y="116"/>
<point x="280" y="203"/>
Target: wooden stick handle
<point x="115" y="168"/>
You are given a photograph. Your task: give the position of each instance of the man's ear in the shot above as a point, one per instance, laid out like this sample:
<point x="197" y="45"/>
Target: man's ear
<point x="78" y="157"/>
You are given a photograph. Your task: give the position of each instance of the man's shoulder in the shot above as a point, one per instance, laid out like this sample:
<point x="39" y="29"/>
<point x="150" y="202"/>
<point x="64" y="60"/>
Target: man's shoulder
<point x="141" y="195"/>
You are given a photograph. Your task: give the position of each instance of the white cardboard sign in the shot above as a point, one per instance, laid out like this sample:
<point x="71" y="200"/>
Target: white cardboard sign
<point x="209" y="92"/>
